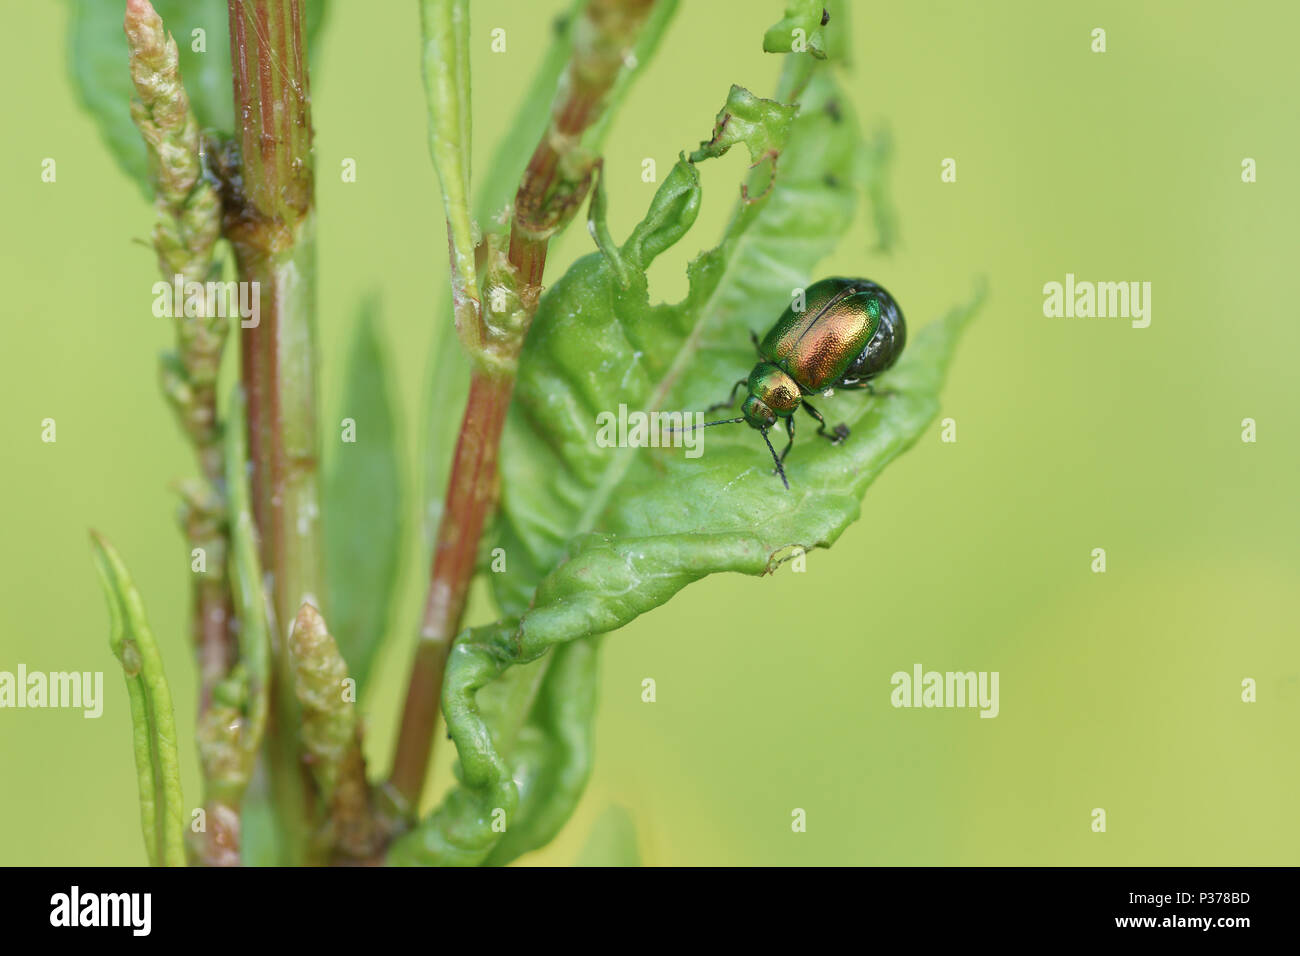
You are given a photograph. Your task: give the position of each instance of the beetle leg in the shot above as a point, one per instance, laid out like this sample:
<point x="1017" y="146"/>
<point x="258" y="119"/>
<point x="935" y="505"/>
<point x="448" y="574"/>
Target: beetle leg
<point x="753" y="337"/>
<point x="731" y="399"/>
<point x="789" y="430"/>
<point x="836" y="434"/>
<point x="869" y="387"/>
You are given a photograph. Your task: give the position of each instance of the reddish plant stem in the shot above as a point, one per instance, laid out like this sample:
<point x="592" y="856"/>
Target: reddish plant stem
<point x="470" y="497"/>
<point x="269" y="220"/>
<point x="547" y="199"/>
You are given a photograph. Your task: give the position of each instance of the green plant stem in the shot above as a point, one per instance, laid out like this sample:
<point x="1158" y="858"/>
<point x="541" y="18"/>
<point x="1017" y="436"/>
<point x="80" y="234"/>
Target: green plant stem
<point x="269" y="221"/>
<point x="550" y="192"/>
<point x="445" y="26"/>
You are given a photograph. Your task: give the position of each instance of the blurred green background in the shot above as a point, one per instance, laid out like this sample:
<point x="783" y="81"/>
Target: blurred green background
<point x="1118" y="690"/>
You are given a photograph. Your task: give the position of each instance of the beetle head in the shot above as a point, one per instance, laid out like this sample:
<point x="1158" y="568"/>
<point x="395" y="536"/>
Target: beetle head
<point x="757" y="413"/>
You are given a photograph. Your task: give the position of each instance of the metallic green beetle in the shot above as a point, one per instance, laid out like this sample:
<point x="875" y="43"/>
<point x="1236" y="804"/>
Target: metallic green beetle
<point x="849" y="331"/>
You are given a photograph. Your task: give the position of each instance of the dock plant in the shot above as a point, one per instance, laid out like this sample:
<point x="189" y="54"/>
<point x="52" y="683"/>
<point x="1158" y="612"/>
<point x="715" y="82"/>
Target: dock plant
<point x="293" y="571"/>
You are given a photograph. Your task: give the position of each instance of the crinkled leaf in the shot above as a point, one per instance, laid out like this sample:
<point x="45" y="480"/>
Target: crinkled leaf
<point x="157" y="764"/>
<point x="97" y="61"/>
<point x="552" y="755"/>
<point x="596" y="346"/>
<point x="364" y="503"/>
<point x="612" y="533"/>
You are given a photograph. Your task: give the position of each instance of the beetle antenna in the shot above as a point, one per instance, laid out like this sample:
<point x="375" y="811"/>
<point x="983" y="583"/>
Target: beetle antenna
<point x="779" y="470"/>
<point x="725" y="421"/>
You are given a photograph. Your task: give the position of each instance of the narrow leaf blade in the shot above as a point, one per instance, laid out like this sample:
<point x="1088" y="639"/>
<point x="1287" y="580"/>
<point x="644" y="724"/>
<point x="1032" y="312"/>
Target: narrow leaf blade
<point x="364" y="499"/>
<point x="162" y="811"/>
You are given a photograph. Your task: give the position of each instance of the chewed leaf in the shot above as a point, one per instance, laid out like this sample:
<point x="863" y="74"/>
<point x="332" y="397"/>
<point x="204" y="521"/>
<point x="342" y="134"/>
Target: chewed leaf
<point x="596" y="536"/>
<point x="662" y="537"/>
<point x="801" y="30"/>
<point x="162" y="810"/>
<point x="595" y="346"/>
<point x="762" y="125"/>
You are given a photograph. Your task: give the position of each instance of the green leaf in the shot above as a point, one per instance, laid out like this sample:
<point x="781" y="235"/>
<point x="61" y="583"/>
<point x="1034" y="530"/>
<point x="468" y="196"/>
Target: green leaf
<point x="162" y="811"/>
<point x="363" y="497"/>
<point x="800" y="31"/>
<point x="552" y="755"/>
<point x="763" y="126"/>
<point x="97" y="61"/>
<point x="612" y="533"/>
<point x="578" y="363"/>
<point x="612" y="841"/>
<point x="444" y="25"/>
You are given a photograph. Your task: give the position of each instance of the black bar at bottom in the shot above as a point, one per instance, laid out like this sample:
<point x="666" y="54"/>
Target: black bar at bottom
<point x="335" y="906"/>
